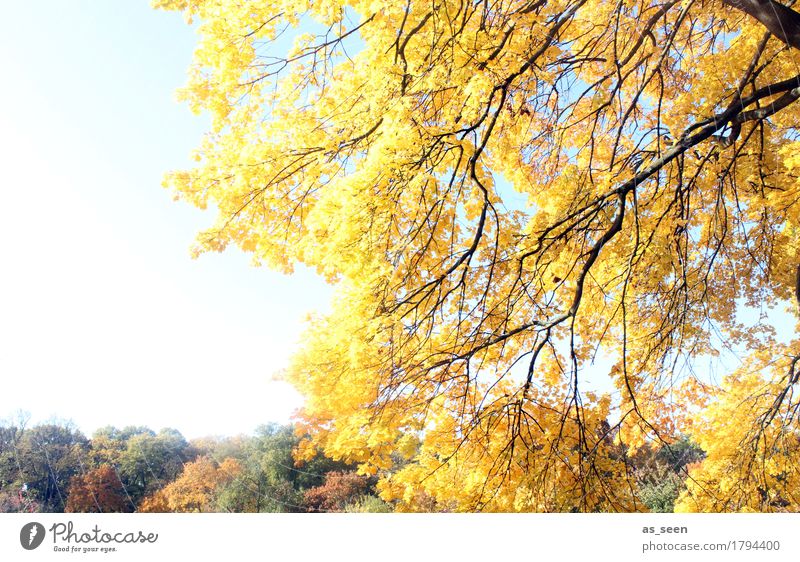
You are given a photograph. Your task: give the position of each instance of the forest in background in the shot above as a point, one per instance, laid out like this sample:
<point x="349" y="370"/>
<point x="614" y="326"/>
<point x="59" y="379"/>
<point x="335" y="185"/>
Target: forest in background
<point x="55" y="468"/>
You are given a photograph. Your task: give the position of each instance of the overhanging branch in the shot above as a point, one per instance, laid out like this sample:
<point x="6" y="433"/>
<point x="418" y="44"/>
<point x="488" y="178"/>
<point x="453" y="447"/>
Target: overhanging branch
<point x="780" y="20"/>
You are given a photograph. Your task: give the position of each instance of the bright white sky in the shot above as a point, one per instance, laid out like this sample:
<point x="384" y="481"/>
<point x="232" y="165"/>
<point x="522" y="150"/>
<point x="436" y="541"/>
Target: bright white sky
<point x="104" y="317"/>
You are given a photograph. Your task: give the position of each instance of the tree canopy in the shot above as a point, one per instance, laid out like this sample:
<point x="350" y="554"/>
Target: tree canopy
<point x="54" y="468"/>
<point x="504" y="192"/>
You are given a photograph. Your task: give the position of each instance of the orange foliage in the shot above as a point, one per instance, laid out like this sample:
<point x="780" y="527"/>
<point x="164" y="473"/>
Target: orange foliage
<point x="193" y="490"/>
<point x="339" y="490"/>
<point x="98" y="491"/>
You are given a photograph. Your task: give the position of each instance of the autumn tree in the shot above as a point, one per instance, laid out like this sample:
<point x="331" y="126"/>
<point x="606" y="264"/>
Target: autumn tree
<point x="110" y="443"/>
<point x="750" y="434"/>
<point x="339" y="490"/>
<point x="266" y="479"/>
<point x="269" y="478"/>
<point x="145" y="460"/>
<point x="194" y="489"/>
<point x="660" y="472"/>
<point x="502" y="193"/>
<point x="98" y="491"/>
<point x="42" y="460"/>
<point x="137" y="469"/>
<point x="9" y="438"/>
<point x="12" y="497"/>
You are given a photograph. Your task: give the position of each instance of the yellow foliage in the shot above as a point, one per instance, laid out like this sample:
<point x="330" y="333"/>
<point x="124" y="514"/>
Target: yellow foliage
<point x="193" y="490"/>
<point x="751" y="436"/>
<point x="502" y="192"/>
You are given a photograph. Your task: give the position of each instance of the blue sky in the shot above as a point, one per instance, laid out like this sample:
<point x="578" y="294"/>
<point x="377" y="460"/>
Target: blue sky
<point x="104" y="317"/>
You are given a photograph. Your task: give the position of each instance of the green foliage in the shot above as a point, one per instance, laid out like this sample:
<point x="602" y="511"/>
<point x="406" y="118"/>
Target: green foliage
<point x="661" y="472"/>
<point x="148" y="461"/>
<point x="45" y="458"/>
<point x="680" y="454"/>
<point x="659" y="497"/>
<point x="368" y="504"/>
<point x="62" y="468"/>
<point x="120" y="468"/>
<point x="270" y="481"/>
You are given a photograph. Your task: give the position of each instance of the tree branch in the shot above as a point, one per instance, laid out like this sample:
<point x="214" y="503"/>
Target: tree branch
<point x="780" y="20"/>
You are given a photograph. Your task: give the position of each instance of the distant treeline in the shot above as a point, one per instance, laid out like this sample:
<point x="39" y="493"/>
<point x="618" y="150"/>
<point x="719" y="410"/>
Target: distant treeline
<point x="55" y="468"/>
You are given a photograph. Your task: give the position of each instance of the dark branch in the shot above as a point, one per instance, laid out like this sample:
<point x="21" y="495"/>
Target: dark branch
<point x="780" y="20"/>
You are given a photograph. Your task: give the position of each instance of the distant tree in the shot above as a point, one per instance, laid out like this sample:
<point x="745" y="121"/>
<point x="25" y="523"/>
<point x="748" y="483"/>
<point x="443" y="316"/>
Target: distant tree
<point x="109" y="443"/>
<point x="368" y="504"/>
<point x="659" y="496"/>
<point x="194" y="490"/>
<point x="9" y="456"/>
<point x="661" y="472"/>
<point x="269" y="481"/>
<point x="98" y="491"/>
<point x="12" y="501"/>
<point x="49" y="455"/>
<point x="149" y="461"/>
<point x="339" y="490"/>
<point x="13" y="497"/>
<point x="55" y="468"/>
